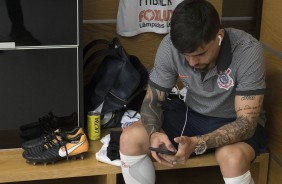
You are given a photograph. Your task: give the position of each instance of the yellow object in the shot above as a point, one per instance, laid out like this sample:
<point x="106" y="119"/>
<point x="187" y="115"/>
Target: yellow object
<point x="94" y="125"/>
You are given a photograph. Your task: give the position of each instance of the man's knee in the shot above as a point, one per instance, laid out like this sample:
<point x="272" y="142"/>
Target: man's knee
<point x="229" y="156"/>
<point x="235" y="159"/>
<point x="134" y="140"/>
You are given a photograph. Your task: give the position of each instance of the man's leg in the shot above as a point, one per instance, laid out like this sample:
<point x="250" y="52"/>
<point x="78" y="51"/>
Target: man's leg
<point x="137" y="167"/>
<point x="234" y="161"/>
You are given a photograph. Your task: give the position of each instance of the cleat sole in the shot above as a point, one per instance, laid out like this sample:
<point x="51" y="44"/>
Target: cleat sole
<point x="75" y="157"/>
<point x="79" y="156"/>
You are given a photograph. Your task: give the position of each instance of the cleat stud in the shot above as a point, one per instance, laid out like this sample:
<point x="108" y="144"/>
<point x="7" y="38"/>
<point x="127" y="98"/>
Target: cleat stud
<point x="82" y="156"/>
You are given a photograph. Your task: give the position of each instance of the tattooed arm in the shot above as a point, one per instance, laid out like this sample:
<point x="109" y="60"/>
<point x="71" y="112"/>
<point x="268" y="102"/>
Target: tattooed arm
<point x="151" y="110"/>
<point x="248" y="109"/>
<point x="152" y="119"/>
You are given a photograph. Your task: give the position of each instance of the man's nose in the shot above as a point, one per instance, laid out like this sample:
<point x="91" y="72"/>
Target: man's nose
<point x="193" y="61"/>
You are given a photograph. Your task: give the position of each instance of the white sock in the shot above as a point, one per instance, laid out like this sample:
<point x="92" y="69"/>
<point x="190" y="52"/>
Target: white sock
<point x="137" y="169"/>
<point x="243" y="179"/>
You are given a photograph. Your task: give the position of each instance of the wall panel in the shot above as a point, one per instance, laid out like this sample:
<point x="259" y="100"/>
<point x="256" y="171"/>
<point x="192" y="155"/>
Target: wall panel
<point x="271" y="37"/>
<point x="275" y="170"/>
<point x="100" y="9"/>
<point x="242" y="14"/>
<point x="273" y="102"/>
<point x="107" y="9"/>
<point x="271" y="27"/>
<point x="239" y="8"/>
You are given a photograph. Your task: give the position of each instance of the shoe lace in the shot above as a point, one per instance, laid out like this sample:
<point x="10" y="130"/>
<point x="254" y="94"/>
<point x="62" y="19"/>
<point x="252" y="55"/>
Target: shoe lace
<point x="46" y="138"/>
<point x="53" y="141"/>
<point x="51" y="135"/>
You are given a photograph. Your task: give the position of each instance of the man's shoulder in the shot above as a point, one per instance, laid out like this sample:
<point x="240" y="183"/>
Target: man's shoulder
<point x="239" y="35"/>
<point x="166" y="46"/>
<point x="235" y="31"/>
<point x="167" y="40"/>
<point x="241" y="40"/>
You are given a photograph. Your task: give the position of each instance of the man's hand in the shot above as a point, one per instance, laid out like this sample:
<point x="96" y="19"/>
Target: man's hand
<point x="186" y="146"/>
<point x="161" y="140"/>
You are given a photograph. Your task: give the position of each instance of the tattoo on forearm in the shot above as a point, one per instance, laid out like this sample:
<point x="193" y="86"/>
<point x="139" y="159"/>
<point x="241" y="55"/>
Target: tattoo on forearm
<point x="151" y="110"/>
<point x="242" y="128"/>
<point x="232" y="132"/>
<point x="248" y="98"/>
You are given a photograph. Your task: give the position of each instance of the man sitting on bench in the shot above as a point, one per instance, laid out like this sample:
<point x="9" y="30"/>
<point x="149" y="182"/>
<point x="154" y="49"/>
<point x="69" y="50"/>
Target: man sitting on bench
<point x="223" y="71"/>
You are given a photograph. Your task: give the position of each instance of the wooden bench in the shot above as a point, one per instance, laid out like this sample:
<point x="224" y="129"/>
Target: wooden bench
<point x="13" y="167"/>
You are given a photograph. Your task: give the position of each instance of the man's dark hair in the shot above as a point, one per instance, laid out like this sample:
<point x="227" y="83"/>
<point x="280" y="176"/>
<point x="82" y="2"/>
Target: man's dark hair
<point x="193" y="23"/>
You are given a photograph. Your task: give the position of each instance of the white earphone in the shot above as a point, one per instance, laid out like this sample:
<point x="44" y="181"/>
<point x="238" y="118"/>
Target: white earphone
<point x="220" y="40"/>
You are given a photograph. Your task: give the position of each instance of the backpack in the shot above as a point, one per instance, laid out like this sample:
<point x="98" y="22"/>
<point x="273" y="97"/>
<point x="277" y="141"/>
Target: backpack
<point x="118" y="83"/>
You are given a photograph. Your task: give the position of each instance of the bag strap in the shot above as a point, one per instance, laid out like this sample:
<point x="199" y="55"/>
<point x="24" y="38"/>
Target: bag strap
<point x="93" y="44"/>
<point x="114" y="49"/>
<point x="136" y="93"/>
<point x="123" y="102"/>
<point x="99" y="53"/>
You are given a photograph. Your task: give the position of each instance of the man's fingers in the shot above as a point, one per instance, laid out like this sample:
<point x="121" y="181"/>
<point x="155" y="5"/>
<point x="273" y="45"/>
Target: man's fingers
<point x="156" y="157"/>
<point x="180" y="140"/>
<point x="169" y="146"/>
<point x="161" y="160"/>
<point x="165" y="160"/>
<point x="165" y="157"/>
<point x="177" y="139"/>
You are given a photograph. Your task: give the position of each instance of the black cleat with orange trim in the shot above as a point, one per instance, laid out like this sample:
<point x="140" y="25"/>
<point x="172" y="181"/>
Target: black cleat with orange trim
<point x="56" y="150"/>
<point x="47" y="137"/>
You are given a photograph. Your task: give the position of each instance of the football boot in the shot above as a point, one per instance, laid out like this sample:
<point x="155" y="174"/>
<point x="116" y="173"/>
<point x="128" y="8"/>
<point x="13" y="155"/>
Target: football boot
<point x="59" y="133"/>
<point x="57" y="150"/>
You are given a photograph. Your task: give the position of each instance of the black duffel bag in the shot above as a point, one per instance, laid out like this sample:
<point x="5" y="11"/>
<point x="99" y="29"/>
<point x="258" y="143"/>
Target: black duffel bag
<point x="118" y="83"/>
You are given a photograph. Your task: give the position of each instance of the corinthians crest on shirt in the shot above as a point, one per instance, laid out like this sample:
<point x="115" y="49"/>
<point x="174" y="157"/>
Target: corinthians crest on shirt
<point x="224" y="80"/>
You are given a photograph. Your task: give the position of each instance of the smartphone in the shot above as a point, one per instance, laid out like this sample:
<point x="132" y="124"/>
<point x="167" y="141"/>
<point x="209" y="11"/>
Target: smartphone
<point x="163" y="151"/>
